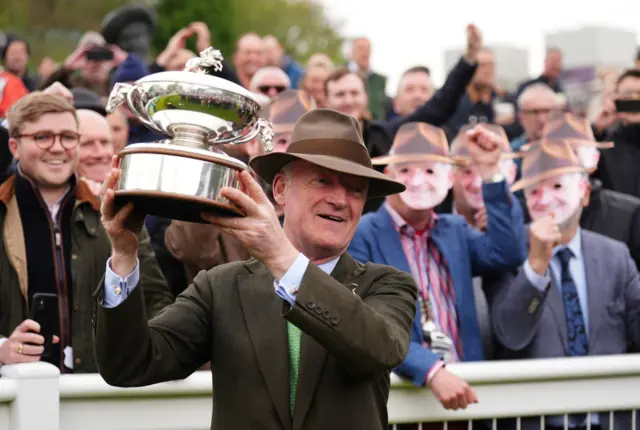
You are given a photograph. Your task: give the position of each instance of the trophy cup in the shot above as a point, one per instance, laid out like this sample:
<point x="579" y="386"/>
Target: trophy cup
<point x="181" y="177"/>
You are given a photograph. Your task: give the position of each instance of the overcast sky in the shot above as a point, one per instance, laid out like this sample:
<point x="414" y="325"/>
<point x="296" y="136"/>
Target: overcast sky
<point x="405" y="33"/>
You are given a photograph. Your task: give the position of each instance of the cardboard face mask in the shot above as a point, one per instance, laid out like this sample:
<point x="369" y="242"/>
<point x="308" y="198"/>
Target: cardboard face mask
<point x="589" y="156"/>
<point x="427" y="183"/>
<point x="560" y="195"/>
<point x="471" y="182"/>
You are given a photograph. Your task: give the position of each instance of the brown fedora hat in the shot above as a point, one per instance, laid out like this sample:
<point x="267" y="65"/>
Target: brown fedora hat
<point x="332" y="140"/>
<point x="568" y="127"/>
<point x="287" y="108"/>
<point x="460" y="145"/>
<point x="545" y="159"/>
<point x="417" y="141"/>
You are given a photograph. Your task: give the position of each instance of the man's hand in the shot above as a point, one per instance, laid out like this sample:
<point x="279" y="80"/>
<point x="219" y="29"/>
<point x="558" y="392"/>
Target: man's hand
<point x="544" y="235"/>
<point x="452" y="391"/>
<point x="204" y="35"/>
<point x="122" y="227"/>
<point x="474" y="43"/>
<point x="76" y="60"/>
<point x="119" y="55"/>
<point x="24" y="345"/>
<point x="177" y="42"/>
<point x="259" y="231"/>
<point x="485" y="148"/>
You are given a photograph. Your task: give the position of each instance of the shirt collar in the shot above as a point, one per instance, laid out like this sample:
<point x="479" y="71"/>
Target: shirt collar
<point x="402" y="226"/>
<point x="329" y="266"/>
<point x="575" y="245"/>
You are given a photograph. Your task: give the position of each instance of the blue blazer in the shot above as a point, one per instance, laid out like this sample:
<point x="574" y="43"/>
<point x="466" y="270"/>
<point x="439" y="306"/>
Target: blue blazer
<point x="468" y="253"/>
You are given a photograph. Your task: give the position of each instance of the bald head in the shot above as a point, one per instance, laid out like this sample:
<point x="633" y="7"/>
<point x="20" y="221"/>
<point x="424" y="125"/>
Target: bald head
<point x="96" y="146"/>
<point x="249" y="56"/>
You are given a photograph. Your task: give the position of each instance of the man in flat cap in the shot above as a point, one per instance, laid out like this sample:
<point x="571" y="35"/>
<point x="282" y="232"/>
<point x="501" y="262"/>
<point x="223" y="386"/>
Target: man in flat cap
<point x="441" y="251"/>
<point x="131" y="27"/>
<point x="301" y="336"/>
<point x="578" y="293"/>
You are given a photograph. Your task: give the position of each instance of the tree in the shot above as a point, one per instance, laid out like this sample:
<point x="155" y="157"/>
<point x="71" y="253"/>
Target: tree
<point x="300" y="25"/>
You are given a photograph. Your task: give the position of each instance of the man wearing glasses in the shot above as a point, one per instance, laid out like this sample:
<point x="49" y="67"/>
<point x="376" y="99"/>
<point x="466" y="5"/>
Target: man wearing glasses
<point x="535" y="106"/>
<point x="269" y="81"/>
<point x="52" y="240"/>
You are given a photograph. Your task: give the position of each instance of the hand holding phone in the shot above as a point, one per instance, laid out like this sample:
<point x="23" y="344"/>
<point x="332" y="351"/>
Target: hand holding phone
<point x="25" y="344"/>
<point x="44" y="311"/>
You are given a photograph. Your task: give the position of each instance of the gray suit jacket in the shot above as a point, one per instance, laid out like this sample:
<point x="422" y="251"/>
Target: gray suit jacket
<point x="529" y="323"/>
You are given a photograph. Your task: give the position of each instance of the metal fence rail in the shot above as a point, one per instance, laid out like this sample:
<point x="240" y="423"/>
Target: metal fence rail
<point x="506" y="389"/>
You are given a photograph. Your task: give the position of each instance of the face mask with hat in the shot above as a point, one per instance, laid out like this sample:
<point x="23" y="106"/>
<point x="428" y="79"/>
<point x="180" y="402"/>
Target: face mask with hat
<point x="553" y="180"/>
<point x="419" y="159"/>
<point x="285" y="111"/>
<point x="577" y="132"/>
<point x="460" y="149"/>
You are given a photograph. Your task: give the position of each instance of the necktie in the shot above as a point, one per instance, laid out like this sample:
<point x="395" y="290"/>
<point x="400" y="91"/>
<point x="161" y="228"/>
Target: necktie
<point x="576" y="329"/>
<point x="295" y="336"/>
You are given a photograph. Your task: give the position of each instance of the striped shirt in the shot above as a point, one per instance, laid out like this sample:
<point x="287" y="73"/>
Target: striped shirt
<point x="431" y="273"/>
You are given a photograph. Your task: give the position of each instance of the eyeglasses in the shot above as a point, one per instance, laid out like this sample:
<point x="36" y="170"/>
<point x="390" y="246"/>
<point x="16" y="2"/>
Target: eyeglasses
<point x="264" y="89"/>
<point x="45" y="139"/>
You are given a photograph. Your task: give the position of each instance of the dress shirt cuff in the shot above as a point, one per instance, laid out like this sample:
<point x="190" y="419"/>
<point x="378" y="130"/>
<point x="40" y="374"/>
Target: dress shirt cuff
<point x="540" y="282"/>
<point x="432" y="372"/>
<point x="287" y="287"/>
<point x="117" y="289"/>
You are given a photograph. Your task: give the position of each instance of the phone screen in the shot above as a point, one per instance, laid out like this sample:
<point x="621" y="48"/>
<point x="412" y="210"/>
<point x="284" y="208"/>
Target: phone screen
<point x="99" y="54"/>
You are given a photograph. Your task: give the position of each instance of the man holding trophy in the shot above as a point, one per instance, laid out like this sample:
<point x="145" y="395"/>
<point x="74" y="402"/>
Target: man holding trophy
<point x="301" y="332"/>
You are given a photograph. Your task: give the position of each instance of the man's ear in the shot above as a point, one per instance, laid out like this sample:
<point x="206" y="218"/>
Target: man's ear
<point x="13" y="147"/>
<point x="278" y="188"/>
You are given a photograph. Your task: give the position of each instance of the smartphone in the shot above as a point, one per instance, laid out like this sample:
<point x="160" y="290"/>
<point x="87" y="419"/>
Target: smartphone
<point x="99" y="54"/>
<point x="44" y="311"/>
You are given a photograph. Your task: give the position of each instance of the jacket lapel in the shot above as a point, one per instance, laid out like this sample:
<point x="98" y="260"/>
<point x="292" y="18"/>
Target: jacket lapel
<point x="393" y="253"/>
<point x="595" y="280"/>
<point x="313" y="356"/>
<point x="262" y="310"/>
<point x="449" y="248"/>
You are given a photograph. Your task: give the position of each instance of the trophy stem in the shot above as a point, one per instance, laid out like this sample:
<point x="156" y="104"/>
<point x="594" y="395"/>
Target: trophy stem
<point x="190" y="136"/>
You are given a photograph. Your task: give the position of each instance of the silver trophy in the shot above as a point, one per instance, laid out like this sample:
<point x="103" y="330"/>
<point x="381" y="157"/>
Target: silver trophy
<point x="439" y="342"/>
<point x="181" y="177"/>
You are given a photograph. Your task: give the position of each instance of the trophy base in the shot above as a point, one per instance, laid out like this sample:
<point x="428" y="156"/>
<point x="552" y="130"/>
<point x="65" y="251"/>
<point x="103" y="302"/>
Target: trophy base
<point x="175" y="182"/>
<point x="174" y="206"/>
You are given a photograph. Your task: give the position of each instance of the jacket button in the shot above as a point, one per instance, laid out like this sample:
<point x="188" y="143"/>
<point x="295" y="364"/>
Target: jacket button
<point x="74" y="257"/>
<point x="335" y="320"/>
<point x="75" y="308"/>
<point x="311" y="305"/>
<point x="326" y="314"/>
<point x="318" y="309"/>
<point x="78" y="361"/>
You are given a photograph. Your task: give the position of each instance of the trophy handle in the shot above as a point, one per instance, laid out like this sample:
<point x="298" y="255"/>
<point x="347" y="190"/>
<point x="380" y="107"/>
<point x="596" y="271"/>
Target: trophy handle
<point x="134" y="103"/>
<point x="262" y="128"/>
<point x="118" y="96"/>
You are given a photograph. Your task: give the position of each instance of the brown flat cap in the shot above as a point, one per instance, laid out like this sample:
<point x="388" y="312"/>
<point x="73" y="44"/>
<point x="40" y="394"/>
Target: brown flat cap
<point x="332" y="140"/>
<point x="545" y="159"/>
<point x="417" y="141"/>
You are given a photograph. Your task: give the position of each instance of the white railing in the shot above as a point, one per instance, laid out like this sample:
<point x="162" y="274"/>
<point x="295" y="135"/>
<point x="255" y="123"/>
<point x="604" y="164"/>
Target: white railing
<point x="35" y="397"/>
